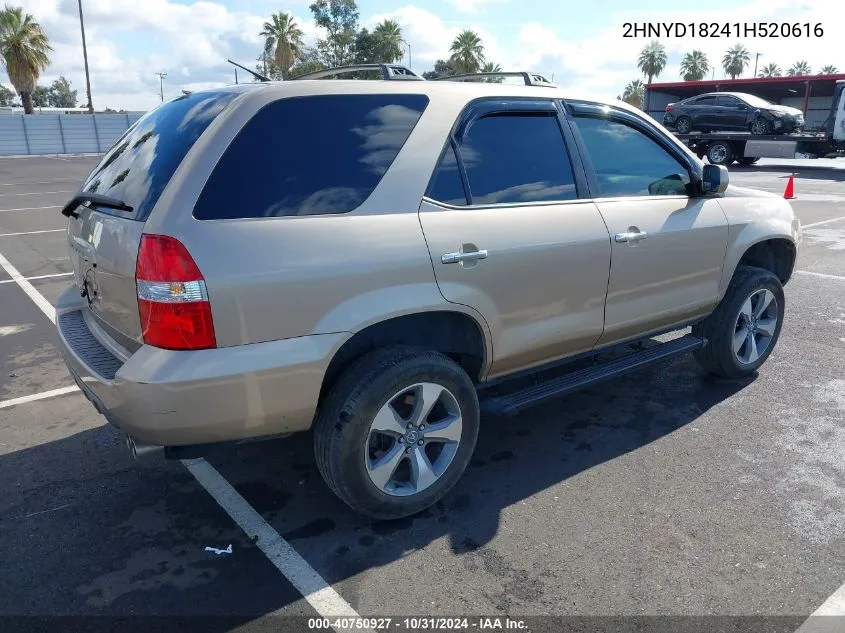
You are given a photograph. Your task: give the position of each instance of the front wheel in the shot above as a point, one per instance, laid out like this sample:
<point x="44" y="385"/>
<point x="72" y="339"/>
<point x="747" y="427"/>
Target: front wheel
<point x="720" y="153"/>
<point x="396" y="431"/>
<point x="744" y="328"/>
<point x="761" y="126"/>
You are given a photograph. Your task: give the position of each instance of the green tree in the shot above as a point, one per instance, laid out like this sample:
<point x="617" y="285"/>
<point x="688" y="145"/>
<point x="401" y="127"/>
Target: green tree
<point x="61" y="95"/>
<point x="340" y="19"/>
<point x="467" y="53"/>
<point x="282" y="40"/>
<point x="830" y="69"/>
<point x="633" y="93"/>
<point x="308" y="62"/>
<point x="694" y="66"/>
<point x="799" y="69"/>
<point x="735" y="60"/>
<point x="490" y="67"/>
<point x="770" y="70"/>
<point x="382" y="45"/>
<point x="442" y="68"/>
<point x="41" y="97"/>
<point x="652" y="60"/>
<point x="7" y="97"/>
<point x="25" y="49"/>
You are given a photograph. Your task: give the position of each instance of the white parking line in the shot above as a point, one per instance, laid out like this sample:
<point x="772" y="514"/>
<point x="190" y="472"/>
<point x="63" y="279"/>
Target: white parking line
<point x="829" y="617"/>
<point x="822" y="275"/>
<point x="830" y="221"/>
<point x="35" y="193"/>
<point x="37" y="396"/>
<point x="55" y="206"/>
<point x="12" y="281"/>
<point x="32" y="232"/>
<point x="319" y="594"/>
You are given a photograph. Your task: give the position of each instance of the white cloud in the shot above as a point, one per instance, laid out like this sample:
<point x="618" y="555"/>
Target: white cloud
<point x="472" y="6"/>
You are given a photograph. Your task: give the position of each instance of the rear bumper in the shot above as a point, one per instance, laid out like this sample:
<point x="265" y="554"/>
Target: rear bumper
<point x="174" y="398"/>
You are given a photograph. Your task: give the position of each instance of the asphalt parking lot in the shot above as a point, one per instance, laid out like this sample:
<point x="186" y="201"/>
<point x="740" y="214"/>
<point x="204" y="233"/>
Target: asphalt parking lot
<point x="665" y="493"/>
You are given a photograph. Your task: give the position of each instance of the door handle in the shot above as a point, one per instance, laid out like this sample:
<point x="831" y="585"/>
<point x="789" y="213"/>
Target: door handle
<point x="455" y="258"/>
<point x="631" y="236"/>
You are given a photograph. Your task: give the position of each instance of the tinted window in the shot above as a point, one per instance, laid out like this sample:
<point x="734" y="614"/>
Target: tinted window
<point x="730" y="102"/>
<point x="704" y="101"/>
<point x="139" y="166"/>
<point x="309" y="156"/>
<point x="517" y="158"/>
<point x="629" y="163"/>
<point x="447" y="186"/>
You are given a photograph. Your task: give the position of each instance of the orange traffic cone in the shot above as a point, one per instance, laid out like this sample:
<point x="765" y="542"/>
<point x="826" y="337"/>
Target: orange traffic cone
<point x="789" y="192"/>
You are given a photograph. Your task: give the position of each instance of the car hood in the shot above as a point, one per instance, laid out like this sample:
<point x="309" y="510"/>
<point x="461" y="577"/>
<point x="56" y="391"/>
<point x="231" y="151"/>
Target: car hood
<point x="786" y="110"/>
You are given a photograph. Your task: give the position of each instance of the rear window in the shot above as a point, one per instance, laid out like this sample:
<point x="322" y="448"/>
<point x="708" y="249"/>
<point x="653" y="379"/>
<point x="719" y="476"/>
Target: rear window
<point x="139" y="166"/>
<point x="309" y="156"/>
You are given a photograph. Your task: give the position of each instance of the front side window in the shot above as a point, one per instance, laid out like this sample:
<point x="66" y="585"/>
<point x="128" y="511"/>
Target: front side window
<point x="517" y="157"/>
<point x="309" y="156"/>
<point x="627" y="162"/>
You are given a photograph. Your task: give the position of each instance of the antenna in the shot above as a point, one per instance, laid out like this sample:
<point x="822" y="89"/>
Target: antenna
<point x="258" y="76"/>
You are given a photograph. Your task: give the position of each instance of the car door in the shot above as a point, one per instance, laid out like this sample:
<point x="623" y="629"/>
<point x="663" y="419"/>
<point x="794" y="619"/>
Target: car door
<point x="732" y="112"/>
<point x="706" y="113"/>
<point x="668" y="248"/>
<point x="513" y="234"/>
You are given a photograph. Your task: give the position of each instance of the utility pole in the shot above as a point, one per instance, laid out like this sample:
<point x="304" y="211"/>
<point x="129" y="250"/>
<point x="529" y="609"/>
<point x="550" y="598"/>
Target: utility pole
<point x="161" y="77"/>
<point x="85" y="57"/>
<point x="755" y="64"/>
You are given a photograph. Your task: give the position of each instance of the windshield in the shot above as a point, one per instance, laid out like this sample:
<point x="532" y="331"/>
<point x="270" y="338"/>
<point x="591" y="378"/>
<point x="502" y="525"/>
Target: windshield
<point x="139" y="166"/>
<point x="755" y="102"/>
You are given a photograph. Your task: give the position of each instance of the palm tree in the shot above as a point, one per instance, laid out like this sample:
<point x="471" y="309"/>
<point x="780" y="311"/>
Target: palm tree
<point x="694" y="66"/>
<point x="388" y="34"/>
<point x="633" y="93"/>
<point x="467" y="52"/>
<point x="652" y="60"/>
<point x="830" y="69"/>
<point x="24" y="49"/>
<point x="282" y="40"/>
<point x="735" y="60"/>
<point x="770" y="70"/>
<point x="799" y="69"/>
<point x="490" y="67"/>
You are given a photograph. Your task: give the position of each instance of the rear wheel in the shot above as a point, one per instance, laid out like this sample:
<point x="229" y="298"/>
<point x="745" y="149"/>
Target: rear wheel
<point x="720" y="153"/>
<point x="744" y="328"/>
<point x="683" y="125"/>
<point x="396" y="431"/>
<point x="761" y="126"/>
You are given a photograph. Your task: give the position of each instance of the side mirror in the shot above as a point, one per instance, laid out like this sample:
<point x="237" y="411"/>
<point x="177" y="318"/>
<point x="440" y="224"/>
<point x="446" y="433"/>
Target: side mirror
<point x="714" y="179"/>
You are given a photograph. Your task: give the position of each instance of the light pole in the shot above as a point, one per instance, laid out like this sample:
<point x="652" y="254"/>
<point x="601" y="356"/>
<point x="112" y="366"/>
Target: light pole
<point x="161" y="77"/>
<point x="755" y="64"/>
<point x="85" y="57"/>
<point x="410" y="60"/>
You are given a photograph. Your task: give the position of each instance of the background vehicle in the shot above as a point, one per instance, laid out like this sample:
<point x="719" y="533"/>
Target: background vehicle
<point x="431" y="248"/>
<point x="724" y="111"/>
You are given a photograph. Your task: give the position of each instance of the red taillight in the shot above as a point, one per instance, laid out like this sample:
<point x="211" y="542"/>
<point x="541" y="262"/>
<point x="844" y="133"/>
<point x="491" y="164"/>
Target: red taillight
<point x="172" y="298"/>
<point x="669" y="108"/>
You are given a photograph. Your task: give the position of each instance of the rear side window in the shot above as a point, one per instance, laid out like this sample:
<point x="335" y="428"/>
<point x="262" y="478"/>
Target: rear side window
<point x="447" y="186"/>
<point x="627" y="162"/>
<point x="705" y="101"/>
<point x="139" y="166"/>
<point x="309" y="156"/>
<point x="517" y="157"/>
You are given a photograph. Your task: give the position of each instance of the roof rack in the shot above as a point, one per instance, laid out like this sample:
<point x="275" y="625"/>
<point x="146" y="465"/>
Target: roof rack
<point x="530" y="79"/>
<point x="389" y="72"/>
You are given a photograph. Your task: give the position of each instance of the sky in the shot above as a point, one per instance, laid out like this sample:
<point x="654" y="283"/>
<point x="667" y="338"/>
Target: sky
<point x="579" y="45"/>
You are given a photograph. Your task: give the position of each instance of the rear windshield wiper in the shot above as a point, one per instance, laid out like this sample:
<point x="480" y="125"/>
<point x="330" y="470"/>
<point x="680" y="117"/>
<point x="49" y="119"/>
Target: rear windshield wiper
<point x="96" y="199"/>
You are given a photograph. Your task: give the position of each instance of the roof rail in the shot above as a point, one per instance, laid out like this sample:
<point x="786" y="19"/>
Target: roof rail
<point x="530" y="79"/>
<point x="389" y="72"/>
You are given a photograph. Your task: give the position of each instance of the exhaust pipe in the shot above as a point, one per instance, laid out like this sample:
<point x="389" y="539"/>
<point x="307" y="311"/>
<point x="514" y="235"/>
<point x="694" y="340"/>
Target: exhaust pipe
<point x="141" y="449"/>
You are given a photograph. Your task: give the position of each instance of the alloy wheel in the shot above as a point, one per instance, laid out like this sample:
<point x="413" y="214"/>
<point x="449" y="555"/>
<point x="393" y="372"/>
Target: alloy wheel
<point x="755" y="326"/>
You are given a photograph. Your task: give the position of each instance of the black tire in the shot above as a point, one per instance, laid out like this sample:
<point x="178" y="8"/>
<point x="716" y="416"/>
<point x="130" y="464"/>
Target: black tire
<point x="760" y="126"/>
<point x="718" y="356"/>
<point x="683" y="125"/>
<point x="720" y="153"/>
<point x="748" y="160"/>
<point x="342" y="427"/>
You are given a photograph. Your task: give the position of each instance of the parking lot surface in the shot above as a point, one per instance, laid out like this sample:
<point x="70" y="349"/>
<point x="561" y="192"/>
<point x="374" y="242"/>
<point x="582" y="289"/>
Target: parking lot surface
<point x="663" y="493"/>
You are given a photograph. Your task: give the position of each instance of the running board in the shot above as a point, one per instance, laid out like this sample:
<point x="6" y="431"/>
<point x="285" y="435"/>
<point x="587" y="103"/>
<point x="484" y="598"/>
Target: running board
<point x="513" y="403"/>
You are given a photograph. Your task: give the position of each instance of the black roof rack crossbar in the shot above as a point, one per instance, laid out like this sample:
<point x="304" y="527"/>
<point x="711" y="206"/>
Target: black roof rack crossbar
<point x="389" y="72"/>
<point x="530" y="79"/>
